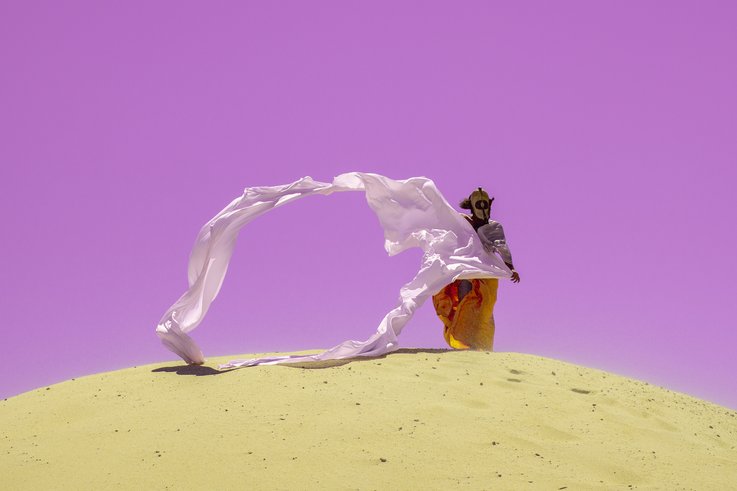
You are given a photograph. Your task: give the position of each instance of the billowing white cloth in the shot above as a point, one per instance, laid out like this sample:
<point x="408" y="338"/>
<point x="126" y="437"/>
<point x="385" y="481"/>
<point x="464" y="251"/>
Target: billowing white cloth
<point x="412" y="213"/>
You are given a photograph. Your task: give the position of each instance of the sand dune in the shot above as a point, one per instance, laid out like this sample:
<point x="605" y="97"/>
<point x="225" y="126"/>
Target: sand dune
<point x="414" y="419"/>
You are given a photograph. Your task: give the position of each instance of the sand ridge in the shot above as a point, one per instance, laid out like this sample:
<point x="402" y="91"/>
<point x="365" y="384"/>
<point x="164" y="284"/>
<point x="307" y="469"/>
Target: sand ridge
<point x="412" y="419"/>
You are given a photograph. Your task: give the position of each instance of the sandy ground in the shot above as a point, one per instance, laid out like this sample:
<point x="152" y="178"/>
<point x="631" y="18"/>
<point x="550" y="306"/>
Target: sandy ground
<point x="414" y="419"/>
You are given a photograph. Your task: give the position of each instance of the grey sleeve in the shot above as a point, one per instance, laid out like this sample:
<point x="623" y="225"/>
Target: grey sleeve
<point x="493" y="239"/>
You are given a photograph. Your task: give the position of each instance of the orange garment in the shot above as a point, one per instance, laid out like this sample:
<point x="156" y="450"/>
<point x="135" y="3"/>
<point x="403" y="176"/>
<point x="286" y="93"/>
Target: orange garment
<point x="469" y="323"/>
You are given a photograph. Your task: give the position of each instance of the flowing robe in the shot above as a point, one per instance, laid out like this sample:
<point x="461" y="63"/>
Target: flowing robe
<point x="468" y="317"/>
<point x="412" y="213"/>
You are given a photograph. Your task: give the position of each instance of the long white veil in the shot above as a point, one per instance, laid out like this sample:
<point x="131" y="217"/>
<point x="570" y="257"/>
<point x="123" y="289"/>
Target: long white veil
<point x="412" y="212"/>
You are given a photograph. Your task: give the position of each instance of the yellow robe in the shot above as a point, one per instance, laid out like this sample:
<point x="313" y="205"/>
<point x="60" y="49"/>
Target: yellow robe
<point x="469" y="323"/>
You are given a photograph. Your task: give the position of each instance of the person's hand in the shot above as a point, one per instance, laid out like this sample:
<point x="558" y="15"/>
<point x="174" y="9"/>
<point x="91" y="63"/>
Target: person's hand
<point x="515" y="277"/>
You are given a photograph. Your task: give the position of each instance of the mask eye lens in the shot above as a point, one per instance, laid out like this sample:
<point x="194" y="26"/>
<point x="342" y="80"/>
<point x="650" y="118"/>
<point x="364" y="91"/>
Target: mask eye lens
<point x="482" y="205"/>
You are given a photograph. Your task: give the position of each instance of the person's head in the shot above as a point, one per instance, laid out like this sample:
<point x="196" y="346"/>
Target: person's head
<point x="479" y="204"/>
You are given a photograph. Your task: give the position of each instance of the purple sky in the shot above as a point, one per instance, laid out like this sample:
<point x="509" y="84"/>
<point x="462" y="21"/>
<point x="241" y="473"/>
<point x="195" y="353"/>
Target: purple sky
<point x="605" y="130"/>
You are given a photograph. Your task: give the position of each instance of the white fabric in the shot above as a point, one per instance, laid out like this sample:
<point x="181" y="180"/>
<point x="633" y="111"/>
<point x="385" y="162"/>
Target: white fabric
<point x="412" y="213"/>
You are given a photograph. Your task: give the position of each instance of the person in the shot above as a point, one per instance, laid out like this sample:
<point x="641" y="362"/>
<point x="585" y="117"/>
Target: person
<point x="466" y="307"/>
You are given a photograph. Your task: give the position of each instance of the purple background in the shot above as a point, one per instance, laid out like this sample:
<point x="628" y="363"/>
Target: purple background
<point x="605" y="130"/>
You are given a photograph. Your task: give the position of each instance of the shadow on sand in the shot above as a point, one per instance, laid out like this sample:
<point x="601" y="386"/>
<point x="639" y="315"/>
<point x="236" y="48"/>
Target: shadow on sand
<point x="345" y="361"/>
<point x="198" y="370"/>
<point x="201" y="370"/>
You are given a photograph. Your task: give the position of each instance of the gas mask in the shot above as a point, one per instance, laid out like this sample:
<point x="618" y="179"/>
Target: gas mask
<point x="480" y="204"/>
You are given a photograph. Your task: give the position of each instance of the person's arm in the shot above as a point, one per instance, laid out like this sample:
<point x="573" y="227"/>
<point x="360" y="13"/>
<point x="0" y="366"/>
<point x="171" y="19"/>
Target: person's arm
<point x="503" y="250"/>
<point x="493" y="238"/>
